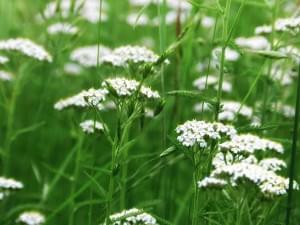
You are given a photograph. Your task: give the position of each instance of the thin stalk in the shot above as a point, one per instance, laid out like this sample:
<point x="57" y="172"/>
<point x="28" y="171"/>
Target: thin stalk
<point x="293" y="154"/>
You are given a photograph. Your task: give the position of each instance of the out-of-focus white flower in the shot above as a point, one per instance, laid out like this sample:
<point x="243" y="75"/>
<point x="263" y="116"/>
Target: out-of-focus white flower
<point x="72" y="69"/>
<point x="290" y="25"/>
<point x="26" y="47"/>
<point x="126" y="88"/>
<point x="62" y="28"/>
<point x="211" y="81"/>
<point x="291" y="51"/>
<point x="136" y="19"/>
<point x="6" y="76"/>
<point x="87" y="9"/>
<point x="248" y="143"/>
<point x="132" y="216"/>
<point x="231" y="108"/>
<point x="211" y="182"/>
<point x="10" y="184"/>
<point x="230" y="54"/>
<point x="282" y="73"/>
<point x="3" y="59"/>
<point x="130" y="54"/>
<point x="172" y="4"/>
<point x="272" y="164"/>
<point x="198" y="133"/>
<point x="264" y="29"/>
<point x="86" y="98"/>
<point x="256" y="121"/>
<point x="31" y="218"/>
<point x="208" y="22"/>
<point x="90" y="126"/>
<point x="88" y="56"/>
<point x="255" y="43"/>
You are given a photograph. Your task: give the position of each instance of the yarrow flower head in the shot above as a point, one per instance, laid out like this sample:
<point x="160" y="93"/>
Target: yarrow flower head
<point x="211" y="81"/>
<point x="10" y="184"/>
<point x="272" y="164"/>
<point x="91" y="126"/>
<point x="211" y="182"/>
<point x="5" y="76"/>
<point x="26" y="47"/>
<point x="231" y="108"/>
<point x="132" y="216"/>
<point x="90" y="56"/>
<point x="62" y="28"/>
<point x="198" y="133"/>
<point x="31" y="218"/>
<point x="3" y="59"/>
<point x="289" y="25"/>
<point x="248" y="144"/>
<point x="126" y="88"/>
<point x="130" y="54"/>
<point x="86" y="98"/>
<point x="254" y="43"/>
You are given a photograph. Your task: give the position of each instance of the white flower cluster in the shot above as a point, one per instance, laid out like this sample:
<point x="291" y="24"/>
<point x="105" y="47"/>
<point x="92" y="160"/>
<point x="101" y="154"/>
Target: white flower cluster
<point x="90" y="56"/>
<point x="62" y="28"/>
<point x="3" y="59"/>
<point x="272" y="164"/>
<point x="173" y="4"/>
<point x="5" y="76"/>
<point x="231" y="108"/>
<point x="208" y="22"/>
<point x="87" y="9"/>
<point x="26" y="47"/>
<point x="86" y="98"/>
<point x="290" y="25"/>
<point x="199" y="132"/>
<point x="292" y="51"/>
<point x="10" y="184"/>
<point x="90" y="126"/>
<point x="72" y="69"/>
<point x="133" y="216"/>
<point x="230" y="54"/>
<point x="255" y="43"/>
<point x="248" y="144"/>
<point x="125" y="88"/>
<point x="31" y="218"/>
<point x="268" y="182"/>
<point x="211" y="182"/>
<point x="130" y="54"/>
<point x="135" y="19"/>
<point x="282" y="73"/>
<point x="211" y="81"/>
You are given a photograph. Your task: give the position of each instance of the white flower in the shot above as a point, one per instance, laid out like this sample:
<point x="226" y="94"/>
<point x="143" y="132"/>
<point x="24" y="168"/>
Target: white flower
<point x="88" y="56"/>
<point x="248" y="144"/>
<point x="133" y="217"/>
<point x="26" y="47"/>
<point x="10" y="184"/>
<point x="173" y="4"/>
<point x="72" y="69"/>
<point x="86" y="98"/>
<point x="290" y="25"/>
<point x="62" y="28"/>
<point x="211" y="81"/>
<point x="90" y="126"/>
<point x="255" y="43"/>
<point x="211" y="182"/>
<point x="130" y="54"/>
<point x="6" y="76"/>
<point x="231" y="108"/>
<point x="230" y="54"/>
<point x="137" y="19"/>
<point x="126" y="88"/>
<point x="208" y="21"/>
<point x="199" y="132"/>
<point x="265" y="29"/>
<point x="272" y="164"/>
<point x="31" y="218"/>
<point x="3" y="59"/>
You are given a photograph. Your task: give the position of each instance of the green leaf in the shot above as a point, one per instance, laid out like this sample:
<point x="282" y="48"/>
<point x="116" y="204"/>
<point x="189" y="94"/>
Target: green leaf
<point x="193" y="94"/>
<point x="268" y="54"/>
<point x="168" y="151"/>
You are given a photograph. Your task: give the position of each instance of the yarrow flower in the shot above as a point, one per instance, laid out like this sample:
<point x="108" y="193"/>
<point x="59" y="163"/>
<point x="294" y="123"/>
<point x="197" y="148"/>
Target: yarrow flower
<point x="90" y="126"/>
<point x="62" y="28"/>
<point x="230" y="54"/>
<point x="290" y="25"/>
<point x="211" y="182"/>
<point x="6" y="76"/>
<point x="199" y="132"/>
<point x="26" y="47"/>
<point x="126" y="88"/>
<point x="272" y="164"/>
<point x="211" y="81"/>
<point x="132" y="216"/>
<point x="231" y="108"/>
<point x="3" y="59"/>
<point x="255" y="43"/>
<point x="86" y="98"/>
<point x="130" y="54"/>
<point x="248" y="144"/>
<point x="10" y="184"/>
<point x="72" y="69"/>
<point x="90" y="56"/>
<point x="31" y="218"/>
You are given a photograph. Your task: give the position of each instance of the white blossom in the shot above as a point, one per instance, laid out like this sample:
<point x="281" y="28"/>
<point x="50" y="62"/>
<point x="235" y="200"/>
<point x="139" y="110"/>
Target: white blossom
<point x="211" y="182"/>
<point x="3" y="59"/>
<point x="211" y="81"/>
<point x="62" y="28"/>
<point x="208" y="21"/>
<point x="72" y="69"/>
<point x="86" y="98"/>
<point x="10" y="184"/>
<point x="90" y="126"/>
<point x="26" y="47"/>
<point x="255" y="43"/>
<point x="135" y="19"/>
<point x="272" y="164"/>
<point x="5" y="76"/>
<point x="31" y="218"/>
<point x="230" y="54"/>
<point x="231" y="108"/>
